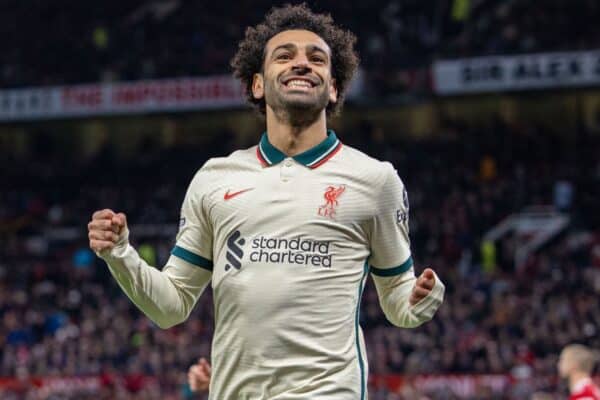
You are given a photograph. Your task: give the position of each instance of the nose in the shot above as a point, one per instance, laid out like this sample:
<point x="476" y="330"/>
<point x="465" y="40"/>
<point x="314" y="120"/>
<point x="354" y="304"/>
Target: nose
<point x="301" y="61"/>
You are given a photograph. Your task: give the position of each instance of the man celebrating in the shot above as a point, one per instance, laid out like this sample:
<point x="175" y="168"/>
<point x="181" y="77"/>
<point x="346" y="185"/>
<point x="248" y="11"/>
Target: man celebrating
<point x="576" y="364"/>
<point x="286" y="232"/>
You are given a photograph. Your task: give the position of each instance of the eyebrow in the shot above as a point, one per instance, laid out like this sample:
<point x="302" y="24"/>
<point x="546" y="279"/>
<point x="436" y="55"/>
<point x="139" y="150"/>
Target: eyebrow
<point x="311" y="48"/>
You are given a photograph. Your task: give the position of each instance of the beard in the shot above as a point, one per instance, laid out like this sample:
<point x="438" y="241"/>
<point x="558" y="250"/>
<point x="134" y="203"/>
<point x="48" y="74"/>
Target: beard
<point x="296" y="107"/>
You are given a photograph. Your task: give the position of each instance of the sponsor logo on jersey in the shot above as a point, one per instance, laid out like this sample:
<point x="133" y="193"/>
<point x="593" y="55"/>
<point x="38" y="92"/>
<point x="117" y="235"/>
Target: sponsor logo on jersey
<point x="402" y="214"/>
<point x="331" y="196"/>
<point x="234" y="251"/>
<point x="401" y="217"/>
<point x="263" y="249"/>
<point x="298" y="251"/>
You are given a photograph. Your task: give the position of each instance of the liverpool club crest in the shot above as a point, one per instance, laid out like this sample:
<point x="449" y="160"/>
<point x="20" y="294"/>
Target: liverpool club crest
<point x="331" y="196"/>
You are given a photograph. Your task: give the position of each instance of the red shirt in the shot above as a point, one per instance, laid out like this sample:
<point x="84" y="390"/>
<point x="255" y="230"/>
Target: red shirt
<point x="585" y="390"/>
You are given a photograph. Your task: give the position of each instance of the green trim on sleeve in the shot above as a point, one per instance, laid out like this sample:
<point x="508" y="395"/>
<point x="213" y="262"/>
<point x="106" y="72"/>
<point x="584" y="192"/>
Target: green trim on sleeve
<point x="405" y="266"/>
<point x="192" y="258"/>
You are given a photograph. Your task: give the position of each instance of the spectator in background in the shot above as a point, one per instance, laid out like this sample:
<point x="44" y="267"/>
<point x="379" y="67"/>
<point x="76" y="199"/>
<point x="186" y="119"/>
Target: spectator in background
<point x="199" y="375"/>
<point x="563" y="195"/>
<point x="542" y="396"/>
<point x="576" y="364"/>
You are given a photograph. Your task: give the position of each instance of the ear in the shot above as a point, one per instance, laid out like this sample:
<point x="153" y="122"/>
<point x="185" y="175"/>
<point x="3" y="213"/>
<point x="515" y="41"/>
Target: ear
<point x="258" y="86"/>
<point x="333" y="93"/>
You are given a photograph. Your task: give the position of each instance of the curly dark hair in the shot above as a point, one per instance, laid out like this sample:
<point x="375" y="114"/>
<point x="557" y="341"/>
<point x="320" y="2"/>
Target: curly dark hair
<point x="249" y="58"/>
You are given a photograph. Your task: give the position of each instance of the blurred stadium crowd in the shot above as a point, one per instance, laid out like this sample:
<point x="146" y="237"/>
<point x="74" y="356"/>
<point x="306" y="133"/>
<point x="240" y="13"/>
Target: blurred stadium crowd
<point x="63" y="314"/>
<point x="129" y="40"/>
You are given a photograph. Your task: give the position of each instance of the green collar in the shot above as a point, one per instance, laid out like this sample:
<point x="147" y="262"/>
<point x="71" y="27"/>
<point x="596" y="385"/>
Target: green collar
<point x="312" y="158"/>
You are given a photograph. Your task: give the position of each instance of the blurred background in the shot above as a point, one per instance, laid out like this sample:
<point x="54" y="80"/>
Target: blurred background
<point x="489" y="109"/>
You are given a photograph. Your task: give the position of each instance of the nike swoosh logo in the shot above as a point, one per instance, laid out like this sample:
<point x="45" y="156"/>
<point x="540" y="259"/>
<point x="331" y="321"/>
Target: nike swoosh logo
<point x="228" y="195"/>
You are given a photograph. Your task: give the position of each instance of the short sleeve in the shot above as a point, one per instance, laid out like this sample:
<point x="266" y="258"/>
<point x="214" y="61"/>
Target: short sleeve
<point x="194" y="238"/>
<point x="389" y="241"/>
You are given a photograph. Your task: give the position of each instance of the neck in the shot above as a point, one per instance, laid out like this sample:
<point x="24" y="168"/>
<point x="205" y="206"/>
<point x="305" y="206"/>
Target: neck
<point x="294" y="138"/>
<point x="575" y="378"/>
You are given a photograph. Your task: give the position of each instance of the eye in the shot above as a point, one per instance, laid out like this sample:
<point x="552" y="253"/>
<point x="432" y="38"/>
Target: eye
<point x="317" y="59"/>
<point x="283" y="56"/>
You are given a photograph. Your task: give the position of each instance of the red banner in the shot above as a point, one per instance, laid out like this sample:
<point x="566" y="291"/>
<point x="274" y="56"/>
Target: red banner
<point x="169" y="95"/>
<point x="461" y="386"/>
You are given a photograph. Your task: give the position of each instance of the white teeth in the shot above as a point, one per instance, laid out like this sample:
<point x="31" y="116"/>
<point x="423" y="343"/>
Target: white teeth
<point x="299" y="83"/>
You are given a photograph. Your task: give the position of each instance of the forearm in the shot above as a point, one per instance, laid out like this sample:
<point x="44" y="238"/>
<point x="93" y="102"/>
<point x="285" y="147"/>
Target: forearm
<point x="394" y="294"/>
<point x="166" y="297"/>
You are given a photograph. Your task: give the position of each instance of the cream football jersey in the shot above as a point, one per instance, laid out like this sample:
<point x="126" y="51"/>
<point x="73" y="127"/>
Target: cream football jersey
<point x="286" y="244"/>
<point x="289" y="242"/>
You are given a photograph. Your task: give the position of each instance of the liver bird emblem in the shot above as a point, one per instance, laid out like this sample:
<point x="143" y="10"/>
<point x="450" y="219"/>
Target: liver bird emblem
<point x="331" y="196"/>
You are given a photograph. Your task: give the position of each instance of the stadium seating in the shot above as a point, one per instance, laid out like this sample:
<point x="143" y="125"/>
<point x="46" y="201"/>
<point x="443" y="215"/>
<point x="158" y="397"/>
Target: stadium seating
<point x="124" y="41"/>
<point x="63" y="314"/>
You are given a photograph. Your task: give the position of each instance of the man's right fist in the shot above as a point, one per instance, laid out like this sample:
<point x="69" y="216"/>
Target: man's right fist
<point x="106" y="229"/>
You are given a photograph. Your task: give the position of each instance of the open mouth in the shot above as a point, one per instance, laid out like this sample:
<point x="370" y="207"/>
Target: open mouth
<point x="299" y="83"/>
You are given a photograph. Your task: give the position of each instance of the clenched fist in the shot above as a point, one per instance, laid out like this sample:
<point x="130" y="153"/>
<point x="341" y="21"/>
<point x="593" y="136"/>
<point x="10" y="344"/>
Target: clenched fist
<point x="199" y="375"/>
<point x="106" y="229"/>
<point x="422" y="287"/>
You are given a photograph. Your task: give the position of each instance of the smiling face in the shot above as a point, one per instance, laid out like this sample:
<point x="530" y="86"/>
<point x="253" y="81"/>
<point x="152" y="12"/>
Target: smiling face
<point x="296" y="74"/>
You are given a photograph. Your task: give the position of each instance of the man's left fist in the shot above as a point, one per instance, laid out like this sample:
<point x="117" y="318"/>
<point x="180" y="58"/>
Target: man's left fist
<point x="423" y="286"/>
